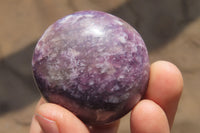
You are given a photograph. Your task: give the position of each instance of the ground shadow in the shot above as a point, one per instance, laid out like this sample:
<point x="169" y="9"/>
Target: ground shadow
<point x="17" y="88"/>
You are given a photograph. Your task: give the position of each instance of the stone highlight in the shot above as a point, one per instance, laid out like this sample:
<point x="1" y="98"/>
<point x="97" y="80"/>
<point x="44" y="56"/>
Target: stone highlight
<point x="92" y="63"/>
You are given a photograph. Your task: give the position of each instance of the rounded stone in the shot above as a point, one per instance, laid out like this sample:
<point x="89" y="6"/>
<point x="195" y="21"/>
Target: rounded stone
<point x="92" y="63"/>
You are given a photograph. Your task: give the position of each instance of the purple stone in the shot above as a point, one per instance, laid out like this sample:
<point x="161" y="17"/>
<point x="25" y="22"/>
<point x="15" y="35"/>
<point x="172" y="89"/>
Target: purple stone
<point x="92" y="63"/>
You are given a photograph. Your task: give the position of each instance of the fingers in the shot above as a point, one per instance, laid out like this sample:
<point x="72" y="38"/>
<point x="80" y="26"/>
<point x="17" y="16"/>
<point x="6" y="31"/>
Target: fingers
<point x="156" y="114"/>
<point x="53" y="118"/>
<point x="153" y="115"/>
<point x="165" y="87"/>
<point x="148" y="117"/>
<point x="35" y="127"/>
<point x="56" y="119"/>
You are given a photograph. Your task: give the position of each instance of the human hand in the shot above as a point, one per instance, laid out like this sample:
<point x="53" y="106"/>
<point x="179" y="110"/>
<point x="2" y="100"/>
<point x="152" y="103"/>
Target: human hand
<point x="154" y="114"/>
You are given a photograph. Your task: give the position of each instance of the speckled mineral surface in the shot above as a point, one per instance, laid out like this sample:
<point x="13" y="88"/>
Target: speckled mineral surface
<point x="92" y="63"/>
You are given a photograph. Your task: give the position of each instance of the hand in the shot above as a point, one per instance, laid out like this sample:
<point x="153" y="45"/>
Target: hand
<point x="154" y="114"/>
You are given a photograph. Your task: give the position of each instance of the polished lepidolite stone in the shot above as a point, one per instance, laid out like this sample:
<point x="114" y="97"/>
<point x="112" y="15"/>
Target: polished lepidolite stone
<point x="92" y="63"/>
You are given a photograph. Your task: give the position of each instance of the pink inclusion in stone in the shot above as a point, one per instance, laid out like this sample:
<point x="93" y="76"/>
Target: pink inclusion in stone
<point x="92" y="63"/>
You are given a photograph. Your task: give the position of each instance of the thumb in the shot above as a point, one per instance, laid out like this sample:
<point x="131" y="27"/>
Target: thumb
<point x="46" y="125"/>
<point x="53" y="118"/>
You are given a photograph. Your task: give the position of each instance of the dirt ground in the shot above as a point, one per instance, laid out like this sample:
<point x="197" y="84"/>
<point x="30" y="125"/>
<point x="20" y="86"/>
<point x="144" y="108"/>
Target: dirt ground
<point x="170" y="28"/>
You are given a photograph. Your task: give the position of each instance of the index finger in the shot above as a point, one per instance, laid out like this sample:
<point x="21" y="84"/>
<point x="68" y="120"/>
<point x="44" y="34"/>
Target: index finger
<point x="165" y="87"/>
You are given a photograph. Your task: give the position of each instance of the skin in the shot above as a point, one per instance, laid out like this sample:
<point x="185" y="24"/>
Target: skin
<point x="154" y="114"/>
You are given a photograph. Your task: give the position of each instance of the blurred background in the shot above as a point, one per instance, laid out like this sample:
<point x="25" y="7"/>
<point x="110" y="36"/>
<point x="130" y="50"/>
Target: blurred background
<point x="170" y="28"/>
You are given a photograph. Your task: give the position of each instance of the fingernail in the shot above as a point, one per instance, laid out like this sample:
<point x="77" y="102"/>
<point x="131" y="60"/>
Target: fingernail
<point x="48" y="126"/>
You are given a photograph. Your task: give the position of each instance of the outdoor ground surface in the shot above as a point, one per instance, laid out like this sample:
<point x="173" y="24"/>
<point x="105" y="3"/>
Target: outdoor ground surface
<point x="170" y="28"/>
